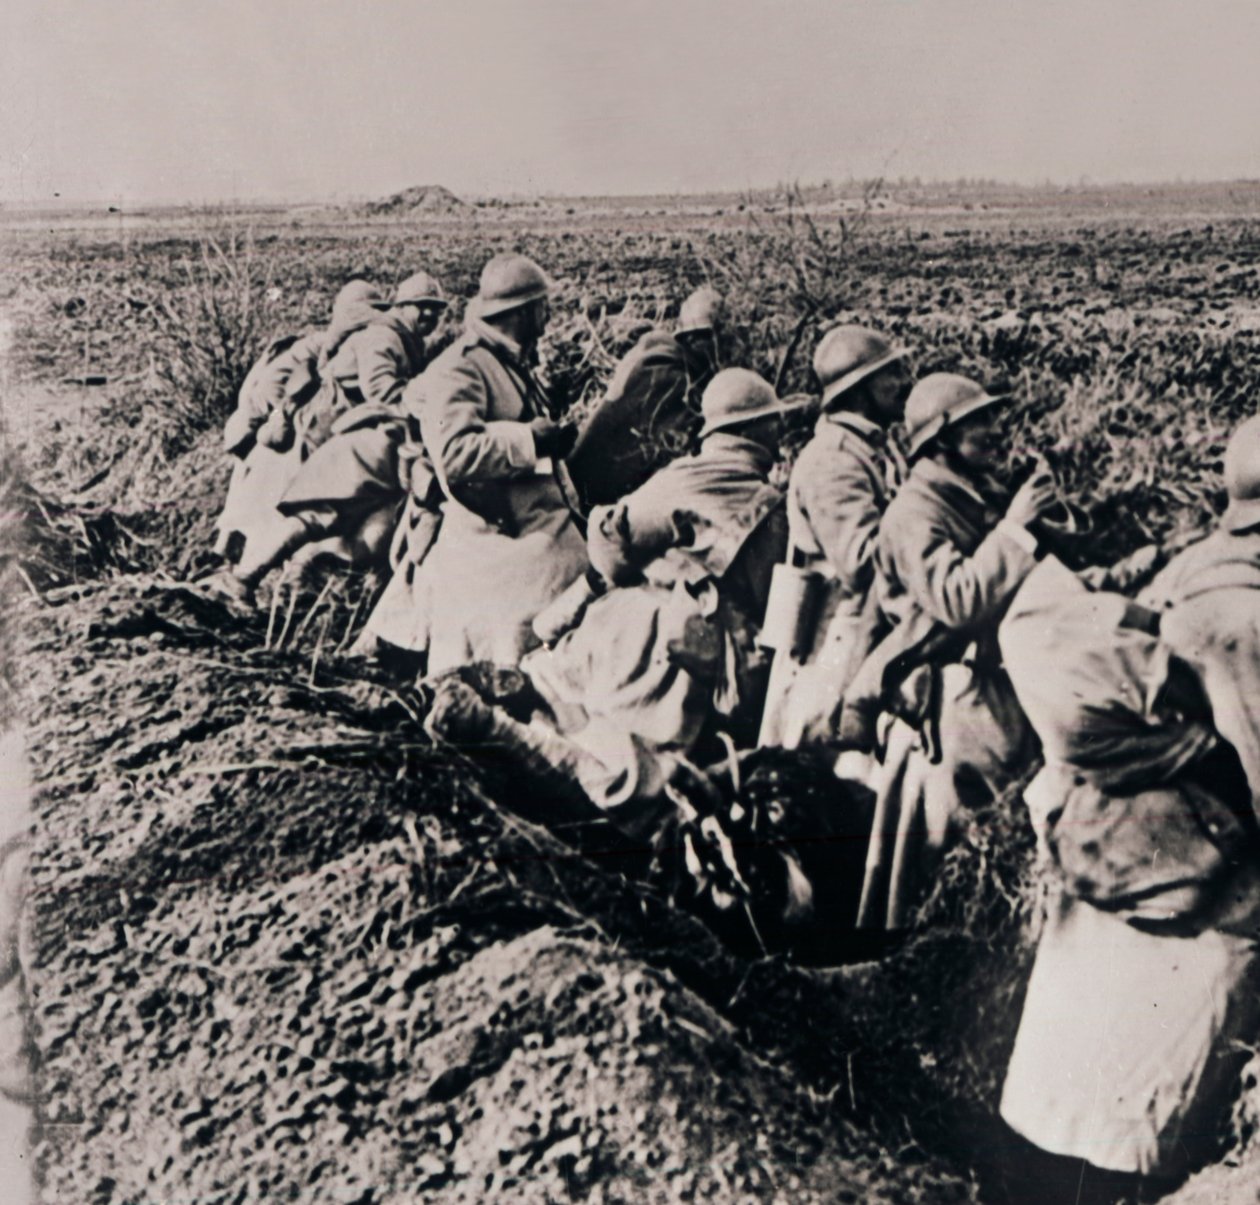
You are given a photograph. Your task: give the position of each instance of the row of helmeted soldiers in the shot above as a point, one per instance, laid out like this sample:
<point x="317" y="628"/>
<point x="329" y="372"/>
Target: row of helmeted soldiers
<point x="896" y="607"/>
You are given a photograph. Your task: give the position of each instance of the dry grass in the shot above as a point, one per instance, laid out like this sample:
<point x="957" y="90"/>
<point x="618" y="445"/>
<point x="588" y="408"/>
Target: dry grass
<point x="209" y="333"/>
<point x="1132" y="356"/>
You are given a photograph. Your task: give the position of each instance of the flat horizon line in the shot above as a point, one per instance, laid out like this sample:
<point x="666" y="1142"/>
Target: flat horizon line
<point x="885" y="184"/>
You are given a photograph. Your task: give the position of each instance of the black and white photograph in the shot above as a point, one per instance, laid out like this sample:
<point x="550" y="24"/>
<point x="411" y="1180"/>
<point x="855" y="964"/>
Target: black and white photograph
<point x="630" y="601"/>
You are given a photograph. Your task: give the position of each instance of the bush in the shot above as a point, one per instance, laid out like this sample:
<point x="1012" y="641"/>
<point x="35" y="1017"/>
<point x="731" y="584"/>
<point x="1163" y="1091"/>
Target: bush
<point x="209" y="331"/>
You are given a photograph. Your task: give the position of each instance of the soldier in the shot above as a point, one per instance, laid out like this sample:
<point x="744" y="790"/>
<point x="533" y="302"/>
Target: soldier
<point x="1148" y="818"/>
<point x="1208" y="600"/>
<point x="344" y="496"/>
<point x="662" y="640"/>
<point x="508" y="544"/>
<point x="370" y="370"/>
<point x="840" y="488"/>
<point x="953" y="549"/>
<point x="390" y="351"/>
<point x="651" y="410"/>
<point x="260" y="432"/>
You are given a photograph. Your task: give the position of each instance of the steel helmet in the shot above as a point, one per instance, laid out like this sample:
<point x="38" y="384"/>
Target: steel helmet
<point x="739" y="395"/>
<point x="1242" y="476"/>
<point x="847" y="355"/>
<point x="940" y="400"/>
<point x="509" y="281"/>
<point x="701" y="311"/>
<point x="419" y="289"/>
<point x="355" y="305"/>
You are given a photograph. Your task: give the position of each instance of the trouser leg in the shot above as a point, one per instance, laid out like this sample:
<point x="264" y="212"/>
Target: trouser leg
<point x="268" y="549"/>
<point x="577" y="781"/>
<point x="459" y="716"/>
<point x="546" y="752"/>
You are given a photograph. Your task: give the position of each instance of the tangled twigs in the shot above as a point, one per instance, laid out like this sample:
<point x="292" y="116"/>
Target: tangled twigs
<point x="59" y="546"/>
<point x="790" y="351"/>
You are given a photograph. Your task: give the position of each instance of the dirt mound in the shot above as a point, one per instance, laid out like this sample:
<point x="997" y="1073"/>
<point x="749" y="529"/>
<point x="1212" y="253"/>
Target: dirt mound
<point x="68" y="545"/>
<point x="284" y="945"/>
<point x="422" y="199"/>
<point x="111" y="498"/>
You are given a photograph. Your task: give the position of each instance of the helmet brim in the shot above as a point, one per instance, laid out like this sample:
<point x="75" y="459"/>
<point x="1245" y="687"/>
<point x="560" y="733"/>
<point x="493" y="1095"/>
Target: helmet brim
<point x="857" y="375"/>
<point x="1241" y="515"/>
<point x="929" y="432"/>
<point x="437" y="302"/>
<point x="487" y="308"/>
<point x="785" y="406"/>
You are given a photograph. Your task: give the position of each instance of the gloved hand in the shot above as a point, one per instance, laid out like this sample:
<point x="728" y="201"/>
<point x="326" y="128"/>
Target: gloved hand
<point x="552" y="439"/>
<point x="277" y="432"/>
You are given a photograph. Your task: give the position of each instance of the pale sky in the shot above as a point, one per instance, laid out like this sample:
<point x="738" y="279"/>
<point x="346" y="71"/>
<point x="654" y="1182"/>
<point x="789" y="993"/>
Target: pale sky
<point x="136" y="100"/>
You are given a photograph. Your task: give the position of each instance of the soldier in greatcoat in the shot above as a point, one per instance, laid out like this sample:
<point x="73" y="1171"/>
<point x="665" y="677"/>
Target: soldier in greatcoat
<point x="840" y="487"/>
<point x="651" y="411"/>
<point x="261" y="434"/>
<point x="954" y="547"/>
<point x="344" y="496"/>
<point x="509" y="543"/>
<point x="660" y="647"/>
<point x="1146" y="813"/>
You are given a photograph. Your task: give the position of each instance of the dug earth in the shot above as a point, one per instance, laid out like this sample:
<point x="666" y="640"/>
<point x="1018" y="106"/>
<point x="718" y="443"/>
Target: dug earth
<point x="309" y="955"/>
<point x="282" y="945"/>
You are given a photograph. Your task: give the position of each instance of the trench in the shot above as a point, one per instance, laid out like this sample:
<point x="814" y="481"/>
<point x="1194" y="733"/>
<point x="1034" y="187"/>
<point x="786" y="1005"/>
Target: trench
<point x="230" y="856"/>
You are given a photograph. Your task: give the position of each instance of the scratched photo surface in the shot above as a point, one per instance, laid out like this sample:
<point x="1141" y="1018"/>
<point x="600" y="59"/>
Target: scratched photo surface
<point x="629" y="601"/>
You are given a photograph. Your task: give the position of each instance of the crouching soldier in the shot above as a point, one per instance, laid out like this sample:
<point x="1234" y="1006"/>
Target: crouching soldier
<point x="953" y="549"/>
<point x="261" y="431"/>
<point x="344" y="497"/>
<point x="651" y="411"/>
<point x="1210" y="608"/>
<point x="1146" y="968"/>
<point x="397" y="630"/>
<point x="658" y="645"/>
<point x="840" y="488"/>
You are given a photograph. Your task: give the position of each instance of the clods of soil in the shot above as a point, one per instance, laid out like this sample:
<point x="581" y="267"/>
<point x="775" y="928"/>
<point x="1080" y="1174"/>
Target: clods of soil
<point x="284" y="947"/>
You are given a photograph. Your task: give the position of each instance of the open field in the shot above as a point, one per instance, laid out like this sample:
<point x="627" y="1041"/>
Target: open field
<point x="284" y="947"/>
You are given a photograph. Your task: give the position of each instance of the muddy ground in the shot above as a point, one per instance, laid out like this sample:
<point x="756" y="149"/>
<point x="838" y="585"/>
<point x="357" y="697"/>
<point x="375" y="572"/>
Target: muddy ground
<point x="283" y="948"/>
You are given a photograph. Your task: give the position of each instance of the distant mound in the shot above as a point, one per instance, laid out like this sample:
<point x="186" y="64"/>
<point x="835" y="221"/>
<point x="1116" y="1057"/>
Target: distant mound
<point x="424" y="198"/>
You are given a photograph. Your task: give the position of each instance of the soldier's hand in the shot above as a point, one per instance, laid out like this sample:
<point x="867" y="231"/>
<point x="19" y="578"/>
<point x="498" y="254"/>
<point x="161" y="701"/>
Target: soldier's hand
<point x="277" y="432"/>
<point x="544" y="432"/>
<point x="1036" y="496"/>
<point x="552" y="439"/>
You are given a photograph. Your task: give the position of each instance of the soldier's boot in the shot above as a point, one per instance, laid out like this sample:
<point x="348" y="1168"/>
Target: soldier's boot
<point x="272" y="548"/>
<point x="262" y="553"/>
<point x="459" y="716"/>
